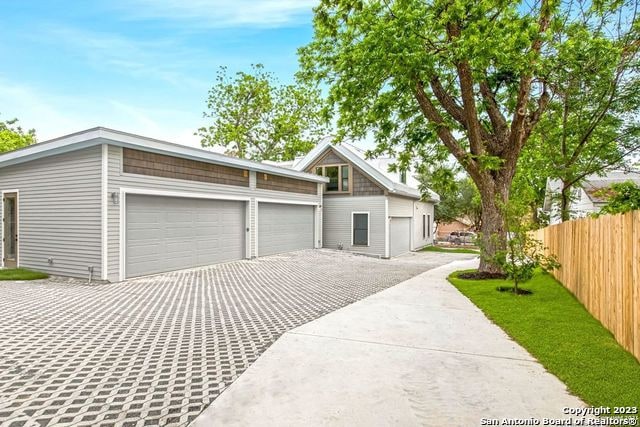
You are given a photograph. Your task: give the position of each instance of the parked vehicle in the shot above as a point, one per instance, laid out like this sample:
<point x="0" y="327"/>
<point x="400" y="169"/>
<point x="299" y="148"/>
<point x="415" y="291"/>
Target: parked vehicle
<point x="462" y="237"/>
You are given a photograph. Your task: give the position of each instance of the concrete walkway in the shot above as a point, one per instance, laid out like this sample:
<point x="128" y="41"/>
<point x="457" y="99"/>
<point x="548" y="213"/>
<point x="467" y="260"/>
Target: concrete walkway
<point x="419" y="353"/>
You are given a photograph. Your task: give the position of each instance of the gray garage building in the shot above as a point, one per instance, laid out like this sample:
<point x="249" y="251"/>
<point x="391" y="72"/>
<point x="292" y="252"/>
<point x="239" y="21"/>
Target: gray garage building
<point x="118" y="205"/>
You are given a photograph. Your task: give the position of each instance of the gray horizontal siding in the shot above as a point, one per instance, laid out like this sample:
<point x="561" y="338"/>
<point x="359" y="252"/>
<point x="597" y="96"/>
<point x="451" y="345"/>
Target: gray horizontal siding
<point x="59" y="211"/>
<point x="117" y="179"/>
<point x="400" y="206"/>
<point x="336" y="228"/>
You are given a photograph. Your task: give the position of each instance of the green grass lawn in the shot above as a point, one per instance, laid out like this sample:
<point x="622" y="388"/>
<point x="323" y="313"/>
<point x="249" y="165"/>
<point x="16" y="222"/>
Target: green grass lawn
<point x="556" y="329"/>
<point x="453" y="250"/>
<point x="21" y="274"/>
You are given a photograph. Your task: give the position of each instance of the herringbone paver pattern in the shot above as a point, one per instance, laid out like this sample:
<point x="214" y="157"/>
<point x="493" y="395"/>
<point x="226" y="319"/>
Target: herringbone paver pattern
<point x="158" y="350"/>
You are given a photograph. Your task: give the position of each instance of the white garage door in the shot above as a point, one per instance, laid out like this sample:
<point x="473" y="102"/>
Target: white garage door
<point x="171" y="233"/>
<point x="400" y="235"/>
<point x="284" y="228"/>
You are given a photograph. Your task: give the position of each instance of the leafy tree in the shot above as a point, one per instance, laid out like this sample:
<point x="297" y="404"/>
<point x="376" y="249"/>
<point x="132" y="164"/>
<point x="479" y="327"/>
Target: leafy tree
<point x="459" y="197"/>
<point x="472" y="77"/>
<point x="622" y="197"/>
<point x="591" y="123"/>
<point x="442" y="180"/>
<point x="13" y="136"/>
<point x="257" y="118"/>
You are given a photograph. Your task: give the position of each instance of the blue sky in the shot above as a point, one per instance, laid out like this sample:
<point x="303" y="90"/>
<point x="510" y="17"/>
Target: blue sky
<point x="142" y="66"/>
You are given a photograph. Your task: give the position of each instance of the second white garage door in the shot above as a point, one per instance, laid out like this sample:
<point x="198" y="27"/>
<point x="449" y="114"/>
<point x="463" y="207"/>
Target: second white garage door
<point x="284" y="228"/>
<point x="171" y="233"/>
<point x="400" y="235"/>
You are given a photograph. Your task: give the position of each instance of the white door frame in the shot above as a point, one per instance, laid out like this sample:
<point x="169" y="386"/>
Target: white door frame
<point x="287" y="202"/>
<point x="17" y="193"/>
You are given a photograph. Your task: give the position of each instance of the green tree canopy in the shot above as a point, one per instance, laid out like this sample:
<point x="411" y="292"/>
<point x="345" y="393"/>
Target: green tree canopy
<point x="622" y="197"/>
<point x="459" y="196"/>
<point x="13" y="136"/>
<point x="255" y="117"/>
<point x="470" y="77"/>
<point x="592" y="122"/>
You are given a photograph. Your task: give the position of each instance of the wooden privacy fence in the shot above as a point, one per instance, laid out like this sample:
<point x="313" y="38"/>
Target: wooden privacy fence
<point x="600" y="260"/>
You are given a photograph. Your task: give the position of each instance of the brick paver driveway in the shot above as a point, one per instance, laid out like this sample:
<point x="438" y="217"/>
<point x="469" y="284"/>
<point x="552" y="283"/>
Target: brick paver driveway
<point x="158" y="350"/>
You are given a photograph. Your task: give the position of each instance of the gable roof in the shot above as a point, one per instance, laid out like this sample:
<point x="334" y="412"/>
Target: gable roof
<point x="100" y="135"/>
<point x="344" y="150"/>
<point x="594" y="186"/>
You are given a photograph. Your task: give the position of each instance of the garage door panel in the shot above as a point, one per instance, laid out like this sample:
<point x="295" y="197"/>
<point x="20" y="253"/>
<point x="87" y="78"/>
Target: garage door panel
<point x="166" y="233"/>
<point x="284" y="228"/>
<point x="400" y="235"/>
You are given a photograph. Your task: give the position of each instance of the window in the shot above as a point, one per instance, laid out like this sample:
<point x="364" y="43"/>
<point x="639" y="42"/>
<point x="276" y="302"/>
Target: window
<point x="428" y="225"/>
<point x="331" y="172"/>
<point x="403" y="177"/>
<point x="360" y="225"/>
<point x="345" y="177"/>
<point x="424" y="226"/>
<point x="339" y="176"/>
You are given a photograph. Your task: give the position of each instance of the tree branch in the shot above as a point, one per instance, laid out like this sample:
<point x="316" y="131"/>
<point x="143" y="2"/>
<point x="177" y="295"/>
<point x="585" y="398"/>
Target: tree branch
<point x="444" y="133"/>
<point x="498" y="121"/>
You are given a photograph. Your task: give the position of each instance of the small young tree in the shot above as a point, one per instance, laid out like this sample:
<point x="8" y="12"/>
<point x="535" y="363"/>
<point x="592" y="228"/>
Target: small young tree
<point x="523" y="254"/>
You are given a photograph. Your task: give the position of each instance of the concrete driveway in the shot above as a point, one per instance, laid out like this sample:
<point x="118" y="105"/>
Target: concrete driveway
<point x="417" y="354"/>
<point x="158" y="350"/>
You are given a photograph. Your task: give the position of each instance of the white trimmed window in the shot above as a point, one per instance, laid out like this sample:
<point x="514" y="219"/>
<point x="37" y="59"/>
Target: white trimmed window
<point x="360" y="229"/>
<point x="339" y="177"/>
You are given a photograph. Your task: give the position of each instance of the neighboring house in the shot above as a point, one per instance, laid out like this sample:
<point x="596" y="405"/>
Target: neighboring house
<point x="118" y="205"/>
<point x="585" y="199"/>
<point x="366" y="209"/>
<point x="459" y="224"/>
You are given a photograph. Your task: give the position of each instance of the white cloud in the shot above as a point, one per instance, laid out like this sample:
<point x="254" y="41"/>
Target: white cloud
<point x="221" y="13"/>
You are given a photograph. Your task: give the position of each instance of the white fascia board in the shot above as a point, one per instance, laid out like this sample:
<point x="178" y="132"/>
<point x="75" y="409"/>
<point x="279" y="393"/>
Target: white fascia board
<point x="98" y="136"/>
<point x="312" y="155"/>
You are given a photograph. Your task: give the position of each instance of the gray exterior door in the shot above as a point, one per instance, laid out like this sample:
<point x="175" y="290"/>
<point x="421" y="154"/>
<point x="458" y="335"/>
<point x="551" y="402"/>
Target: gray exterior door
<point x="284" y="228"/>
<point x="400" y="235"/>
<point x="171" y="233"/>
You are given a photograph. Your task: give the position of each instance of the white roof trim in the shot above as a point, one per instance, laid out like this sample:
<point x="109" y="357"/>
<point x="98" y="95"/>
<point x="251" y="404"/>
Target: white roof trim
<point x="100" y="135"/>
<point x="393" y="188"/>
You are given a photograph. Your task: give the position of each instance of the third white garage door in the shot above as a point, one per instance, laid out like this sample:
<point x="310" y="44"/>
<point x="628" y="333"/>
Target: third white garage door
<point x="284" y="228"/>
<point x="400" y="235"/>
<point x="171" y="233"/>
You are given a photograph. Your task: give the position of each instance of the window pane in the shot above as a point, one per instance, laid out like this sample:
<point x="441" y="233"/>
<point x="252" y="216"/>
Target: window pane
<point x="360" y="221"/>
<point x="403" y="177"/>
<point x="345" y="178"/>
<point x="360" y="229"/>
<point x="331" y="172"/>
<point x="360" y="237"/>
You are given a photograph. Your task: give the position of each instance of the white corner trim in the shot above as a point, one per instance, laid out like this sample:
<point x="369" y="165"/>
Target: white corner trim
<point x="123" y="237"/>
<point x="104" y="208"/>
<point x="256" y="229"/>
<point x="387" y="242"/>
<point x="248" y="229"/>
<point x="368" y="227"/>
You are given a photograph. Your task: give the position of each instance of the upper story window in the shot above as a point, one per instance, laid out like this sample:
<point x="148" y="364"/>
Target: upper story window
<point x="339" y="177"/>
<point x="403" y="177"/>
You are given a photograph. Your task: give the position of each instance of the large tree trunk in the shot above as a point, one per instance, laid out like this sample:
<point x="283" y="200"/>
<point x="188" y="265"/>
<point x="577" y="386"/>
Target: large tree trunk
<point x="495" y="196"/>
<point x="565" y="202"/>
